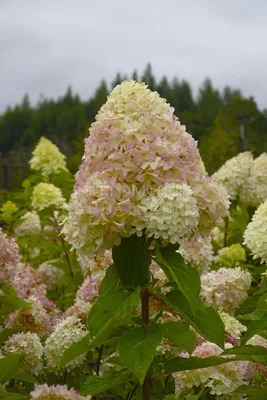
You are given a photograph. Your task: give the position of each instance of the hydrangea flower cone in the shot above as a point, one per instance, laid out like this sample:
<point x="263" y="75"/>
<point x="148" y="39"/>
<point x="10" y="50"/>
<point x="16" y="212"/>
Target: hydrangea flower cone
<point x="140" y="172"/>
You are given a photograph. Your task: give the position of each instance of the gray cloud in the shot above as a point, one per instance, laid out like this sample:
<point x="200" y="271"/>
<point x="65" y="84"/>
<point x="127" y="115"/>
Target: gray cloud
<point x="46" y="45"/>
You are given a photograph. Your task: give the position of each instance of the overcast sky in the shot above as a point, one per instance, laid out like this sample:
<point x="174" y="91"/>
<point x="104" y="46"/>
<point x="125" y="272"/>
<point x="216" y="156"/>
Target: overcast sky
<point x="46" y="45"/>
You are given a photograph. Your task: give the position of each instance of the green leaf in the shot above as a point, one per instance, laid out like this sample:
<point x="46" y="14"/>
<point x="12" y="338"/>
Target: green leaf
<point x="99" y="384"/>
<point x="252" y="392"/>
<point x="186" y="278"/>
<point x="9" y="302"/>
<point x="13" y="396"/>
<point x="110" y="311"/>
<point x="111" y="281"/>
<point x="257" y="354"/>
<point x="253" y="328"/>
<point x="9" y="365"/>
<point x="180" y="335"/>
<point x="205" y="319"/>
<point x="21" y="375"/>
<point x="186" y="364"/>
<point x="132" y="260"/>
<point x="6" y="333"/>
<point x="107" y="314"/>
<point x="137" y="348"/>
<point x="75" y="350"/>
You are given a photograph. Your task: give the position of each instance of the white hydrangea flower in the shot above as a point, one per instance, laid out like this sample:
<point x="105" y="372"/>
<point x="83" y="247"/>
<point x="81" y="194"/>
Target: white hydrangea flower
<point x="172" y="213"/>
<point x="202" y="167"/>
<point x="235" y="174"/>
<point x="50" y="275"/>
<point x="68" y="331"/>
<point x="31" y="224"/>
<point x="255" y="236"/>
<point x="79" y="309"/>
<point x="255" y="192"/>
<point x="55" y="392"/>
<point x="30" y="346"/>
<point x="47" y="195"/>
<point x="226" y="288"/>
<point x="257" y="340"/>
<point x="232" y="325"/>
<point x="137" y="149"/>
<point x="98" y="263"/>
<point x="47" y="158"/>
<point x="221" y="380"/>
<point x="36" y="319"/>
<point x="198" y="252"/>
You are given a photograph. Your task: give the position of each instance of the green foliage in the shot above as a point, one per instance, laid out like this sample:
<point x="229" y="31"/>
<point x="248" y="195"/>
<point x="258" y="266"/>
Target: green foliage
<point x="186" y="364"/>
<point x="132" y="261"/>
<point x="9" y="366"/>
<point x="110" y="312"/>
<point x="111" y="281"/>
<point x="180" y="335"/>
<point x="125" y="329"/>
<point x="9" y="301"/>
<point x="204" y="319"/>
<point x="137" y="348"/>
<point x="252" y="392"/>
<point x="98" y="384"/>
<point x="257" y="354"/>
<point x="186" y="278"/>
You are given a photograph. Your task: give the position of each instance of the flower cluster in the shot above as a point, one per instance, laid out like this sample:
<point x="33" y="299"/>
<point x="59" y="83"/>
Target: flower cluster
<point x="225" y="289"/>
<point x="171" y="213"/>
<point x="50" y="275"/>
<point x="97" y="263"/>
<point x="35" y="319"/>
<point x="255" y="234"/>
<point x="47" y="158"/>
<point x="232" y="256"/>
<point x="66" y="332"/>
<point x="30" y="346"/>
<point x="56" y="392"/>
<point x="198" y="252"/>
<point x="233" y="327"/>
<point x="27" y="282"/>
<point x="80" y="310"/>
<point x="30" y="224"/>
<point x="89" y="289"/>
<point x="257" y="190"/>
<point x="9" y="257"/>
<point x="221" y="380"/>
<point x="46" y="195"/>
<point x="136" y="155"/>
<point x="8" y="210"/>
<point x="234" y="174"/>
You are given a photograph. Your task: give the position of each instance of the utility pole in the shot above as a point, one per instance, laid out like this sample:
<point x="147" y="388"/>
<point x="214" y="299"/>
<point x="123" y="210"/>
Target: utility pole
<point x="241" y="134"/>
<point x="241" y="118"/>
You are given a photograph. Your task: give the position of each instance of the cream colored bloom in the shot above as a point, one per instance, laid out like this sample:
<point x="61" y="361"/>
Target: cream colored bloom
<point x="47" y="158"/>
<point x="30" y="224"/>
<point x="234" y="175"/>
<point x="66" y="332"/>
<point x="226" y="288"/>
<point x="47" y="195"/>
<point x="232" y="325"/>
<point x="30" y="346"/>
<point x="136" y="151"/>
<point x="255" y="236"/>
<point x="198" y="252"/>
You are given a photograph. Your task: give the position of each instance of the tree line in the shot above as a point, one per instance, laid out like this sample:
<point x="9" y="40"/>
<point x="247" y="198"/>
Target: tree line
<point x="213" y="117"/>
